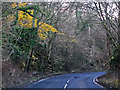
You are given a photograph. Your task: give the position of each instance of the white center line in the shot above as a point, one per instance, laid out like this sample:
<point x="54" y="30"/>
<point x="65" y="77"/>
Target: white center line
<point x="65" y="86"/>
<point x="67" y="82"/>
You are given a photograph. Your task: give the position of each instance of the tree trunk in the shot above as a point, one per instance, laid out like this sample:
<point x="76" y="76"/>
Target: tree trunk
<point x="50" y="44"/>
<point x="77" y="18"/>
<point x="28" y="60"/>
<point x="119" y="45"/>
<point x="31" y="51"/>
<point x="104" y="25"/>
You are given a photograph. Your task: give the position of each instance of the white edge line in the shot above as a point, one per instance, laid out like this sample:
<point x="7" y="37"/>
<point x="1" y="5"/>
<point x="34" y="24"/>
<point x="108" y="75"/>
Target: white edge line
<point x="44" y="79"/>
<point x="96" y="82"/>
<point x="40" y="81"/>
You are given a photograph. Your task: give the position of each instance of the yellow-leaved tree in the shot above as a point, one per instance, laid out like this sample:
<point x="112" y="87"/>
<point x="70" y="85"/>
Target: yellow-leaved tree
<point x="26" y="19"/>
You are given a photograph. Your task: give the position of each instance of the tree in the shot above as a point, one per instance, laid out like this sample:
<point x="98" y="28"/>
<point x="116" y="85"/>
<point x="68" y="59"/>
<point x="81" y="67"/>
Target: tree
<point x="25" y="31"/>
<point x="109" y="24"/>
<point x="119" y="44"/>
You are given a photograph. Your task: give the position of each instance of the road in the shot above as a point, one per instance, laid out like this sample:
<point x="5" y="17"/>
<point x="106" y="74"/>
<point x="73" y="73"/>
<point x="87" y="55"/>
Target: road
<point x="75" y="80"/>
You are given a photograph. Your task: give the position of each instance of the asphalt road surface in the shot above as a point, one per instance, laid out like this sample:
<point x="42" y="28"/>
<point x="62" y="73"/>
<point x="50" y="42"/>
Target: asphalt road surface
<point x="75" y="80"/>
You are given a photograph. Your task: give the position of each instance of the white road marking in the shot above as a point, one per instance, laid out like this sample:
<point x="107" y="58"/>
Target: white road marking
<point x="94" y="80"/>
<point x="69" y="79"/>
<point x="41" y="80"/>
<point x="65" y="86"/>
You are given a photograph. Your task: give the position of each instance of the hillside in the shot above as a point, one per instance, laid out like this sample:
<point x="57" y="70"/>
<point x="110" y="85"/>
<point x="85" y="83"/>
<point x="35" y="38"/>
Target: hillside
<point x="42" y="39"/>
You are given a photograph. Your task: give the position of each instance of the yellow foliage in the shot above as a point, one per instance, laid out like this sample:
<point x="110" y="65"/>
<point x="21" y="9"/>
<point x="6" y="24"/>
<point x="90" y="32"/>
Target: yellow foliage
<point x="23" y="64"/>
<point x="14" y="5"/>
<point x="22" y="4"/>
<point x="35" y="58"/>
<point x="44" y="28"/>
<point x="26" y="21"/>
<point x="47" y="27"/>
<point x="61" y="33"/>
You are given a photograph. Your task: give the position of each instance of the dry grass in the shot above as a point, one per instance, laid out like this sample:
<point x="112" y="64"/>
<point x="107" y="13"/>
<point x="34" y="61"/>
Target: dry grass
<point x="109" y="80"/>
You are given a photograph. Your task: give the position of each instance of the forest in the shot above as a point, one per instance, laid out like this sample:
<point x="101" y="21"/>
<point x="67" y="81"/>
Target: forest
<point x="40" y="39"/>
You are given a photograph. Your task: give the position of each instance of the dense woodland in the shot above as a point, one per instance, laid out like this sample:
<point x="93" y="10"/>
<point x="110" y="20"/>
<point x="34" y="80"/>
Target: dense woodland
<point x="61" y="36"/>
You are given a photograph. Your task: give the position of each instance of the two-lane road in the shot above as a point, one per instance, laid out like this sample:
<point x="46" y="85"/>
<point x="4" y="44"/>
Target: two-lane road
<point x="75" y="80"/>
